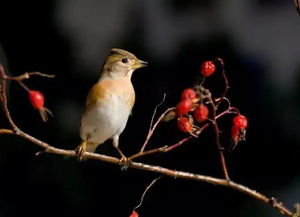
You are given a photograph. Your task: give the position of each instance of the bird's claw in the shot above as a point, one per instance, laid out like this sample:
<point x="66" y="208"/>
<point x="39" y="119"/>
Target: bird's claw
<point x="80" y="150"/>
<point x="124" y="162"/>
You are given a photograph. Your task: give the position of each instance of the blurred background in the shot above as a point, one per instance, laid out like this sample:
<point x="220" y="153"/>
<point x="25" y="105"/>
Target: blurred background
<point x="259" y="42"/>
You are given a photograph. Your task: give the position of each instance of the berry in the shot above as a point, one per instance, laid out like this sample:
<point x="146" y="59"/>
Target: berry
<point x="37" y="99"/>
<point x="134" y="214"/>
<point x="188" y="93"/>
<point x="240" y="121"/>
<point x="208" y="68"/>
<point x="201" y="113"/>
<point x="184" y="107"/>
<point x="238" y="130"/>
<point x="184" y="124"/>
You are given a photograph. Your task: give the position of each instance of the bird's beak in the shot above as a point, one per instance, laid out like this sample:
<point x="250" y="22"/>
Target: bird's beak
<point x="139" y="64"/>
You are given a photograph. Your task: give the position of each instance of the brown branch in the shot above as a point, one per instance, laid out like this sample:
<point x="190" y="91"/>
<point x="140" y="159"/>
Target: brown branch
<point x="4" y="99"/>
<point x="218" y="143"/>
<point x="27" y="75"/>
<point x="160" y="149"/>
<point x="226" y="86"/>
<point x="157" y="169"/>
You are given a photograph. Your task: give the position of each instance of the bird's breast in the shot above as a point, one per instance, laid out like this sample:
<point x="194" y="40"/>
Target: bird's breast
<point x="112" y="90"/>
<point x="109" y="105"/>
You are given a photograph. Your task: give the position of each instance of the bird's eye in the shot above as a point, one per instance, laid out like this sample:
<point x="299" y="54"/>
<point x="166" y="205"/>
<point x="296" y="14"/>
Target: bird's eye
<point x="124" y="60"/>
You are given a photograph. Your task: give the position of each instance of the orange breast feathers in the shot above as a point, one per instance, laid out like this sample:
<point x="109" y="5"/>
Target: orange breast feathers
<point x="103" y="90"/>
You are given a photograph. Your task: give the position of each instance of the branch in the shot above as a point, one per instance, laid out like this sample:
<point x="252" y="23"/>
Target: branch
<point x="4" y="98"/>
<point x="153" y="127"/>
<point x="27" y="75"/>
<point x="217" y="138"/>
<point x="157" y="169"/>
<point x="226" y="87"/>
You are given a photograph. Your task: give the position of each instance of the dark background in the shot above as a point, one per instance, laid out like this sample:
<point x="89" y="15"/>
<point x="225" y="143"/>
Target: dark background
<point x="259" y="42"/>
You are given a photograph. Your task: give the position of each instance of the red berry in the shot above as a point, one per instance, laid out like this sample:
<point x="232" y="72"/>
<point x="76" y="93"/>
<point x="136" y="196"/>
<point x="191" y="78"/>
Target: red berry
<point x="208" y="68"/>
<point x="188" y="93"/>
<point x="134" y="214"/>
<point x="37" y="99"/>
<point x="201" y="113"/>
<point x="184" y="107"/>
<point x="184" y="124"/>
<point x="240" y="121"/>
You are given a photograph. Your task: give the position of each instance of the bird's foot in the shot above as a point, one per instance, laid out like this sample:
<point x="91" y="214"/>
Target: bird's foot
<point x="80" y="150"/>
<point x="124" y="162"/>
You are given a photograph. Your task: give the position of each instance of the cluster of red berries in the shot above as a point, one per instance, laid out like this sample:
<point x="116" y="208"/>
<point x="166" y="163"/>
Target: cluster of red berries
<point x="192" y="109"/>
<point x="189" y="102"/>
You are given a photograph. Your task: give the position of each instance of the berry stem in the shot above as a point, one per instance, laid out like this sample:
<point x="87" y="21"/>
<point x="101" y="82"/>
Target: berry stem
<point x="23" y="85"/>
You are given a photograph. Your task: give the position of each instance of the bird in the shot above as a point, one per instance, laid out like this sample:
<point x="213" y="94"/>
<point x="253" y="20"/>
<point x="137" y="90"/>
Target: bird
<point x="109" y="102"/>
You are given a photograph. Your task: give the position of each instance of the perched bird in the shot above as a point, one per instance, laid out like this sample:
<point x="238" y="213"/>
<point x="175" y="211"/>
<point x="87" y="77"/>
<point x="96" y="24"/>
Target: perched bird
<point x="109" y="102"/>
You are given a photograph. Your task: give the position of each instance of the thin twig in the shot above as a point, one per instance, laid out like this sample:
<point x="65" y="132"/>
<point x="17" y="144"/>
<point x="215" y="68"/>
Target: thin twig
<point x="27" y="75"/>
<point x="226" y="86"/>
<point x="23" y="85"/>
<point x="155" y="110"/>
<point x="151" y="130"/>
<point x="145" y="192"/>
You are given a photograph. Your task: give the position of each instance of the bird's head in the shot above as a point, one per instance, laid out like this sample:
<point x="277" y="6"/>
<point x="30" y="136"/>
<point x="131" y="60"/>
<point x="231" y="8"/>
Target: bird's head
<point x="121" y="63"/>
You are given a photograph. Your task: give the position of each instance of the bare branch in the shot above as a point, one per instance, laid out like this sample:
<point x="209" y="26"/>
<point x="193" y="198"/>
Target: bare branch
<point x="226" y="86"/>
<point x="217" y="138"/>
<point x="151" y="130"/>
<point x="157" y="169"/>
<point x="27" y="75"/>
<point x="155" y="110"/>
<point x="146" y="190"/>
<point x="4" y="99"/>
